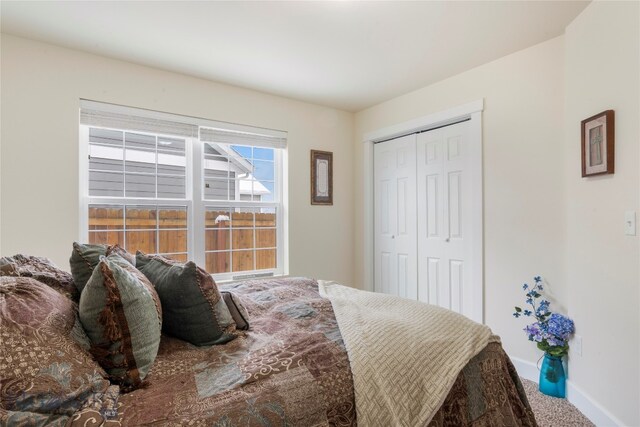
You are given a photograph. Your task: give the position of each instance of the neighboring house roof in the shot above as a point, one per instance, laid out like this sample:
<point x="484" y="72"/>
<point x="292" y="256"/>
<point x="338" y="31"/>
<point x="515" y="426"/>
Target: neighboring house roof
<point x="234" y="157"/>
<point x="258" y="188"/>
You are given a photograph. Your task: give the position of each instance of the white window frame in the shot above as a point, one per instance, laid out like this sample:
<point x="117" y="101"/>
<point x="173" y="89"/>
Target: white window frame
<point x="195" y="203"/>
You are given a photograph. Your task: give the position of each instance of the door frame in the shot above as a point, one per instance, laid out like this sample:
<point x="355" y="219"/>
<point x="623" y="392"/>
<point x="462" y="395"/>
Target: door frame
<point x="471" y="111"/>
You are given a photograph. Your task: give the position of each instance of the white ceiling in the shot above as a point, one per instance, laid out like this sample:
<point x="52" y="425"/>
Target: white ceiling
<point x="343" y="54"/>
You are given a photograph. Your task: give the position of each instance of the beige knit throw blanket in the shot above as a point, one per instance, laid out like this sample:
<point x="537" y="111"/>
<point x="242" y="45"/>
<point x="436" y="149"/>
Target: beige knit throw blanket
<point x="405" y="355"/>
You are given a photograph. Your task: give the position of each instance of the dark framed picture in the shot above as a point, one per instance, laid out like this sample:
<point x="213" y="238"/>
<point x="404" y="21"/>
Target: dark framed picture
<point x="321" y="177"/>
<point x="598" y="151"/>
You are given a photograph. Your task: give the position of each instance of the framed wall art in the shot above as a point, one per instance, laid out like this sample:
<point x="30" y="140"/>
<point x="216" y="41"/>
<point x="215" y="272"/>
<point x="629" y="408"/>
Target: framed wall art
<point x="321" y="177"/>
<point x="598" y="151"/>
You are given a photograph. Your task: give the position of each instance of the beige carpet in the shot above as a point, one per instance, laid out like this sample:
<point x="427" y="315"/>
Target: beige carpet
<point x="551" y="411"/>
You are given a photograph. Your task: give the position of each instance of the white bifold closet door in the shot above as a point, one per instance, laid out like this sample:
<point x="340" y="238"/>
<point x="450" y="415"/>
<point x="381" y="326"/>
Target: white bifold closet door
<point x="445" y="218"/>
<point x="395" y="213"/>
<point x="423" y="218"/>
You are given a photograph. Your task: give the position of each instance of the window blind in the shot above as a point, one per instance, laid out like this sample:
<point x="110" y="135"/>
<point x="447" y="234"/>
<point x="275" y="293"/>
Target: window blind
<point x="109" y="119"/>
<point x="105" y="115"/>
<point x="241" y="138"/>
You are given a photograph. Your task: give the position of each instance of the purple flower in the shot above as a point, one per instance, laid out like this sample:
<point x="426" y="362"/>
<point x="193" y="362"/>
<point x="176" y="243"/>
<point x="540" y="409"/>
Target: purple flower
<point x="534" y="332"/>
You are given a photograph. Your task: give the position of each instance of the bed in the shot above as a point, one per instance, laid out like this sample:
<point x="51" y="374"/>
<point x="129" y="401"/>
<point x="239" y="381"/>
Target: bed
<point x="292" y="367"/>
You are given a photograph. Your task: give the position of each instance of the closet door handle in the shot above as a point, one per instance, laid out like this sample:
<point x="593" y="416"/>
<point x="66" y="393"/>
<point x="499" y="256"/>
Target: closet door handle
<point x="393" y="237"/>
<point x="446" y="240"/>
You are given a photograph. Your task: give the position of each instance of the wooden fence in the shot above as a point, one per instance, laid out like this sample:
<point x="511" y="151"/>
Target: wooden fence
<point x="251" y="236"/>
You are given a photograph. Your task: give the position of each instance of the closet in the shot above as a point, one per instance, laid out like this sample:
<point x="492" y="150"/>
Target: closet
<point x="428" y="217"/>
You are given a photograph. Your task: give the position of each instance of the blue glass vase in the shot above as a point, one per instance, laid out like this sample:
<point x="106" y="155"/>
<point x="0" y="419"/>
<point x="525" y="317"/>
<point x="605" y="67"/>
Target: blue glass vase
<point x="552" y="377"/>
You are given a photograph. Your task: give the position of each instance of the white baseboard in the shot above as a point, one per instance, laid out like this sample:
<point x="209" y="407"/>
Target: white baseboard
<point x="581" y="400"/>
<point x="526" y="369"/>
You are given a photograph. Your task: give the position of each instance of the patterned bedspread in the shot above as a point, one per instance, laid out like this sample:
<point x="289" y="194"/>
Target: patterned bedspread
<point x="291" y="368"/>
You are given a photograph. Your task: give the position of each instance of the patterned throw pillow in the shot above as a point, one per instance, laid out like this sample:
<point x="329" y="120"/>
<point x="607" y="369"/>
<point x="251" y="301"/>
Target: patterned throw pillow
<point x="85" y="257"/>
<point x="46" y="376"/>
<point x="194" y="310"/>
<point x="121" y="313"/>
<point x="41" y="269"/>
<point x="237" y="310"/>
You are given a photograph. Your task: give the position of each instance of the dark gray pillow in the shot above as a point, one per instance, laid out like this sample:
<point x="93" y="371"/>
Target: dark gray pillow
<point x="85" y="257"/>
<point x="193" y="309"/>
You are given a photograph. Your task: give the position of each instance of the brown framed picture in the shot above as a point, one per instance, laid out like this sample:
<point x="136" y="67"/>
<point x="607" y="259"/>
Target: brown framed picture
<point x="321" y="177"/>
<point x="598" y="151"/>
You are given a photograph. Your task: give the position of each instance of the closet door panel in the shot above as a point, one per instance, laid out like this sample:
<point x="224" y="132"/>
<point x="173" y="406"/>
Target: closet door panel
<point x="444" y="218"/>
<point x="431" y="188"/>
<point x="395" y="238"/>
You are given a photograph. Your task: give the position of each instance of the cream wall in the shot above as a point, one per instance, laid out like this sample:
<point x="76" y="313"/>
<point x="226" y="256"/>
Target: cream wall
<point x="523" y="161"/>
<point x="602" y="72"/>
<point x="41" y="86"/>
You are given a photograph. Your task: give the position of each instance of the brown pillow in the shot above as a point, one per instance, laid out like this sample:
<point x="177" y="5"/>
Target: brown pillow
<point x="46" y="375"/>
<point x="237" y="310"/>
<point x="41" y="269"/>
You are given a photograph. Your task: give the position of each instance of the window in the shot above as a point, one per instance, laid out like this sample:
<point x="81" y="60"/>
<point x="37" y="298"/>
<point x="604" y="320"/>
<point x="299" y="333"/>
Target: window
<point x="185" y="188"/>
<point x="240" y="236"/>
